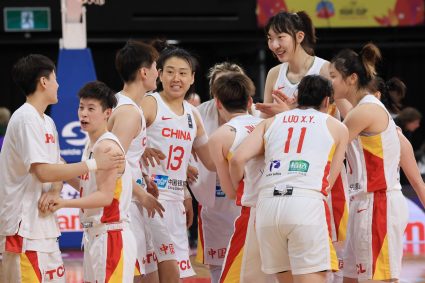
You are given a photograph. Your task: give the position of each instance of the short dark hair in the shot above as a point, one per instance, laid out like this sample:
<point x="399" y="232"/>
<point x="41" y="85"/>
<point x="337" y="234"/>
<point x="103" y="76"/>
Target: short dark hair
<point x="99" y="91"/>
<point x="233" y="91"/>
<point x="312" y="90"/>
<point x="28" y="70"/>
<point x="133" y="56"/>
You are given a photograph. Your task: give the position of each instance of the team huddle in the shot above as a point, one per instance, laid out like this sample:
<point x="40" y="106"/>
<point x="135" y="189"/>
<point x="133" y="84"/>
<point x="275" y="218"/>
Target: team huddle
<point x="291" y="189"/>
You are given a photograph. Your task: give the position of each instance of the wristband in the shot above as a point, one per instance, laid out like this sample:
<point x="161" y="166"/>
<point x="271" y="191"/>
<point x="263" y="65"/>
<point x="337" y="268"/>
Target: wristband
<point x="91" y="164"/>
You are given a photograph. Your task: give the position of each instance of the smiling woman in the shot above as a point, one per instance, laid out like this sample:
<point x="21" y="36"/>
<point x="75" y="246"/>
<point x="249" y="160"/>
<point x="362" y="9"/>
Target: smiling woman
<point x="291" y="38"/>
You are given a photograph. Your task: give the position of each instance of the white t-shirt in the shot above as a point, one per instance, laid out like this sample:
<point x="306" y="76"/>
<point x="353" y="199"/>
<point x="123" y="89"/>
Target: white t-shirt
<point x="29" y="139"/>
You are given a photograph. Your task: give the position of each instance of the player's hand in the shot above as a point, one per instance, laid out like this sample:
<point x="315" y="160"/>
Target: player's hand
<point x="192" y="174"/>
<point x="110" y="160"/>
<point x="189" y="211"/>
<point x="57" y="204"/>
<point x="151" y="204"/>
<point x="152" y="155"/>
<point x="47" y="199"/>
<point x="280" y="97"/>
<point x="151" y="186"/>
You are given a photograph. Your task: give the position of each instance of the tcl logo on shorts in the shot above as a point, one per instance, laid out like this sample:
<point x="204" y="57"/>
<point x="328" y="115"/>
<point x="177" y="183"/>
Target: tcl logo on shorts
<point x="184" y="264"/>
<point x="55" y="273"/>
<point x="73" y="135"/>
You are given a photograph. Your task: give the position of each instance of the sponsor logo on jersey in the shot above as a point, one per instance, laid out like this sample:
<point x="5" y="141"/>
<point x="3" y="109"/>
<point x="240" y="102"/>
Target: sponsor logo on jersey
<point x="274" y="164"/>
<point x="163" y="118"/>
<point x="298" y="166"/>
<point x="273" y="168"/>
<point x="160" y="181"/>
<point x="219" y="193"/>
<point x="176" y="134"/>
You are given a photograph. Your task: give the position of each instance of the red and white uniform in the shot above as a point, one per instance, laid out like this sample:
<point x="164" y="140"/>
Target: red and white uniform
<point x="146" y="262"/>
<point x="28" y="238"/>
<point x="174" y="136"/>
<point x="292" y="216"/>
<point x="109" y="245"/>
<point x="289" y="88"/>
<point x="217" y="213"/>
<point x="242" y="263"/>
<point x="378" y="210"/>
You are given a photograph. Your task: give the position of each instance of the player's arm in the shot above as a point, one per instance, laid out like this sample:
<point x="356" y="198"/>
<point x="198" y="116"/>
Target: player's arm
<point x="105" y="180"/>
<point x="340" y="135"/>
<point x="200" y="144"/>
<point x="49" y="196"/>
<point x="125" y="124"/>
<point x="252" y="146"/>
<point x="410" y="167"/>
<point x="365" y="117"/>
<point x="147" y="200"/>
<point x="268" y="108"/>
<point x="149" y="107"/>
<point x="48" y="173"/>
<point x="219" y="144"/>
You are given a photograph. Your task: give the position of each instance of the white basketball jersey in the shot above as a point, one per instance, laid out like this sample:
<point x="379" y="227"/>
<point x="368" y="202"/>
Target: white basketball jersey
<point x="290" y="89"/>
<point x="298" y="151"/>
<point x="138" y="144"/>
<point x="118" y="210"/>
<point x="375" y="158"/>
<point x="174" y="136"/>
<point x="244" y="125"/>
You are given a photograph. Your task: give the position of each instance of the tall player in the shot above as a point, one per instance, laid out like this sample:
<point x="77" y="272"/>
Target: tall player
<point x="29" y="163"/>
<point x="291" y="38"/>
<point x="233" y="96"/>
<point x="174" y="127"/>
<point x="136" y="65"/>
<point x="217" y="211"/>
<point x="379" y="210"/>
<point x="109" y="245"/>
<point x="305" y="148"/>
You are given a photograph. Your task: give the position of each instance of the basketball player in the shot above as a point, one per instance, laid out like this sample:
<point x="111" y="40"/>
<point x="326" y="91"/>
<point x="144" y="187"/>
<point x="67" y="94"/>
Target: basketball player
<point x="305" y="148"/>
<point x="291" y="38"/>
<point x="378" y="210"/>
<point x="217" y="211"/>
<point x="29" y="166"/>
<point x="174" y="127"/>
<point x="109" y="245"/>
<point x="136" y="65"/>
<point x="233" y="96"/>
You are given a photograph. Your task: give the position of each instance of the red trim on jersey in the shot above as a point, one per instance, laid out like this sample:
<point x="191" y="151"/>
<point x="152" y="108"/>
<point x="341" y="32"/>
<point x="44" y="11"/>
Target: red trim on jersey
<point x="379" y="225"/>
<point x="338" y="202"/>
<point x="14" y="244"/>
<point x="239" y="193"/>
<point x="33" y="259"/>
<point x="375" y="172"/>
<point x="114" y="246"/>
<point x="325" y="181"/>
<point x="111" y="213"/>
<point x="237" y="241"/>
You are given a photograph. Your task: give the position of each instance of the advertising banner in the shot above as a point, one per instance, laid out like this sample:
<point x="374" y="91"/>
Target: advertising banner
<point x="344" y="13"/>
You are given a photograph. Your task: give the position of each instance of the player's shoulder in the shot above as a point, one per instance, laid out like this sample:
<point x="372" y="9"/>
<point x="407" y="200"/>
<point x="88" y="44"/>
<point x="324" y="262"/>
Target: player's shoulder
<point x="107" y="144"/>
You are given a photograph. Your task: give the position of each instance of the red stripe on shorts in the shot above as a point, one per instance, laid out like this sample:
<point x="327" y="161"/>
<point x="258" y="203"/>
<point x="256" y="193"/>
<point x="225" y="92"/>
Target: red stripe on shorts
<point x="237" y="241"/>
<point x="33" y="258"/>
<point x="114" y="246"/>
<point x="379" y="224"/>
